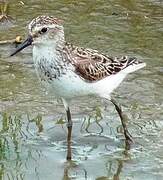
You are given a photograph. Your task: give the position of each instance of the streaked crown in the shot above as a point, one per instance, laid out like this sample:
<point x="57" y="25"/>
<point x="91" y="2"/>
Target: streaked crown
<point x="44" y="21"/>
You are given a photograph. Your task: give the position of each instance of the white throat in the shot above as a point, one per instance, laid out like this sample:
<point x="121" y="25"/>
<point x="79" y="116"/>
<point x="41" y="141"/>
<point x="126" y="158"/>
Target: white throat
<point x="49" y="46"/>
<point x="49" y="54"/>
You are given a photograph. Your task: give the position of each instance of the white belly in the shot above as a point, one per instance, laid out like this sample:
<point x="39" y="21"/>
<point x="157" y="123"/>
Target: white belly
<point x="68" y="86"/>
<point x="71" y="85"/>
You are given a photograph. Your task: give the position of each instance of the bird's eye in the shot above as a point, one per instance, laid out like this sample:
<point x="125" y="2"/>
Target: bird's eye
<point x="43" y="30"/>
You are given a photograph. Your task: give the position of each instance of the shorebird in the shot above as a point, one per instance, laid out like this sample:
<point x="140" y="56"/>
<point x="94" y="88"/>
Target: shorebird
<point x="70" y="71"/>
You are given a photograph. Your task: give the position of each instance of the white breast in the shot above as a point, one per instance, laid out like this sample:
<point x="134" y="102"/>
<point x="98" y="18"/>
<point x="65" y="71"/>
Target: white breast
<point x="66" y="84"/>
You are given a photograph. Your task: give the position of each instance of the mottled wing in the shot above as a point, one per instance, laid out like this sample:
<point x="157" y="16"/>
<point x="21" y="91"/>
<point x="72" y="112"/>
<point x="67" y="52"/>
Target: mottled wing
<point x="93" y="66"/>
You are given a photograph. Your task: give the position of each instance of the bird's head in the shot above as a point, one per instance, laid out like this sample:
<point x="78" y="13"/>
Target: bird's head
<point x="43" y="30"/>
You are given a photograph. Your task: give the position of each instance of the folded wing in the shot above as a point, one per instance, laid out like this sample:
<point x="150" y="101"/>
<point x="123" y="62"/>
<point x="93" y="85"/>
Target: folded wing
<point x="93" y="66"/>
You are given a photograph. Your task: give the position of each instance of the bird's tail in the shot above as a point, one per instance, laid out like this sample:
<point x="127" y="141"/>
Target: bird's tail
<point x="132" y="65"/>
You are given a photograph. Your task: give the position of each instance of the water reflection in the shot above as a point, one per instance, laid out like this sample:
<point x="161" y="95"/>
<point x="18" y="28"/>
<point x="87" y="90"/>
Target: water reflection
<point x="38" y="121"/>
<point x="5" y="19"/>
<point x="14" y="156"/>
<point x="73" y="171"/>
<point x="24" y="142"/>
<point x="114" y="169"/>
<point x="95" y="117"/>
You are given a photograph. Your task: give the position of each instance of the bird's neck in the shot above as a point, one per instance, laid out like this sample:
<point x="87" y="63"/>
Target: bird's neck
<point x="57" y="42"/>
<point x="49" y="53"/>
<point x="49" y="48"/>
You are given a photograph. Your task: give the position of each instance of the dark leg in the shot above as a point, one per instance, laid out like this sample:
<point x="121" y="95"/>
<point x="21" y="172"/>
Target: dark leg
<point x="127" y="135"/>
<point x="69" y="127"/>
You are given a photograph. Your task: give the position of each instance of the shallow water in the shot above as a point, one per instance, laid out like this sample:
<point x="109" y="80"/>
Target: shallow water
<point x="33" y="125"/>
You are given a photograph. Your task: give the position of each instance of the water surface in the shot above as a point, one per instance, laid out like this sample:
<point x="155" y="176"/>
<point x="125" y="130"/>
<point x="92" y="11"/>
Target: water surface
<point x="32" y="123"/>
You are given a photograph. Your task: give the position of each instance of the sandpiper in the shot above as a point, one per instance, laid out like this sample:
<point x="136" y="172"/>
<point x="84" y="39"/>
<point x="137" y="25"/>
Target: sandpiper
<point x="70" y="71"/>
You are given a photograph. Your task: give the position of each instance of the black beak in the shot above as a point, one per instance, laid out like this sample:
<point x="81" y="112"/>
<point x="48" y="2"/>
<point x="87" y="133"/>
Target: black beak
<point x="23" y="45"/>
